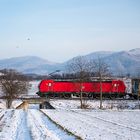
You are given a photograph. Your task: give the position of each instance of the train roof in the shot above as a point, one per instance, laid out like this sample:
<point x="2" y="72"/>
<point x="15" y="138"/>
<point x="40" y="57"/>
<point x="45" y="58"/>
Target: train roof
<point x="91" y="80"/>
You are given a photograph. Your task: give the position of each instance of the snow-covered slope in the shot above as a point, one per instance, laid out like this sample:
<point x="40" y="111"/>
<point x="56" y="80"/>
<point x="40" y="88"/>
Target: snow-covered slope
<point x="120" y="63"/>
<point x="135" y="51"/>
<point x="124" y="62"/>
<point x="28" y="64"/>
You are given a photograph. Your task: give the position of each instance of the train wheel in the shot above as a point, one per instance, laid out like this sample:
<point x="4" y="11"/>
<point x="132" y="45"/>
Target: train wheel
<point x="110" y="96"/>
<point x="66" y="95"/>
<point x="90" y="96"/>
<point x="54" y="95"/>
<point x="135" y="97"/>
<point x="94" y="96"/>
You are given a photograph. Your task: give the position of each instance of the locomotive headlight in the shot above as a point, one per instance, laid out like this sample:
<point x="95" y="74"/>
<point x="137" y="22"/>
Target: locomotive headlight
<point x="49" y="84"/>
<point x="115" y="85"/>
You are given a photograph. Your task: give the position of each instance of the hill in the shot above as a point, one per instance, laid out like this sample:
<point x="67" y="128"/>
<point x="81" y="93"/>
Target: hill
<point x="123" y="62"/>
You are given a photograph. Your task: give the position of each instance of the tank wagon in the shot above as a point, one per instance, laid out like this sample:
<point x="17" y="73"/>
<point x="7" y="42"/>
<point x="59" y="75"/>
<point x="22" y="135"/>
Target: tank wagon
<point x="67" y="89"/>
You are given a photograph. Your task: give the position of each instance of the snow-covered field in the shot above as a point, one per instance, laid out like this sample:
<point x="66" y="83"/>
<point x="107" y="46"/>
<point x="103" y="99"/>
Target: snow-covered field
<point x="99" y="125"/>
<point x="29" y="125"/>
<point x="87" y="124"/>
<point x="119" y="120"/>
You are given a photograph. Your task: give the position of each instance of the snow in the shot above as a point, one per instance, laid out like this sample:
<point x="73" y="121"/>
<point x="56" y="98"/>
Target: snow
<point x="8" y="124"/>
<point x="88" y="124"/>
<point x="104" y="125"/>
<point x="94" y="104"/>
<point x="119" y="120"/>
<point x="2" y="104"/>
<point x="29" y="125"/>
<point x="34" y="87"/>
<point x="37" y="122"/>
<point x="135" y="51"/>
<point x="16" y="103"/>
<point x="1" y="74"/>
<point x="23" y="132"/>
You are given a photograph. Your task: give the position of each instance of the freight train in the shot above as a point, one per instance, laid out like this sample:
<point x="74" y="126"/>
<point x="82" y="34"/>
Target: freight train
<point x="67" y="89"/>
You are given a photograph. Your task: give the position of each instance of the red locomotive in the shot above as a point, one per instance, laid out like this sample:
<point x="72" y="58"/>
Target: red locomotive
<point x="51" y="88"/>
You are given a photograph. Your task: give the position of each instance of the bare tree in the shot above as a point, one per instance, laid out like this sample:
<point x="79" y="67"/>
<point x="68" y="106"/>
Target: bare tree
<point x="13" y="85"/>
<point x="81" y="67"/>
<point x="101" y="69"/>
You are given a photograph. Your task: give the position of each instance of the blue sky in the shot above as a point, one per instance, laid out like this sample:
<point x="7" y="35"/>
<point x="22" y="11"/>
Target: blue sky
<point x="61" y="29"/>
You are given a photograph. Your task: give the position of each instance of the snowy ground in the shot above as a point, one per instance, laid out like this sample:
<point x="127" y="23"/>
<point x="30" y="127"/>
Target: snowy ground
<point x="94" y="104"/>
<point x="87" y="124"/>
<point x="34" y="87"/>
<point x="120" y="120"/>
<point x="99" y="125"/>
<point x="29" y="125"/>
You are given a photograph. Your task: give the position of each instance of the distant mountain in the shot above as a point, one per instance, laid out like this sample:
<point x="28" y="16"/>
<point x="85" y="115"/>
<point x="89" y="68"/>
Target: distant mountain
<point x="28" y="64"/>
<point x="99" y="54"/>
<point x="123" y="62"/>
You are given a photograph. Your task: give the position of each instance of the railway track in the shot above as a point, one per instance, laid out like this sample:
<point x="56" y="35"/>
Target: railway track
<point x="58" y="98"/>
